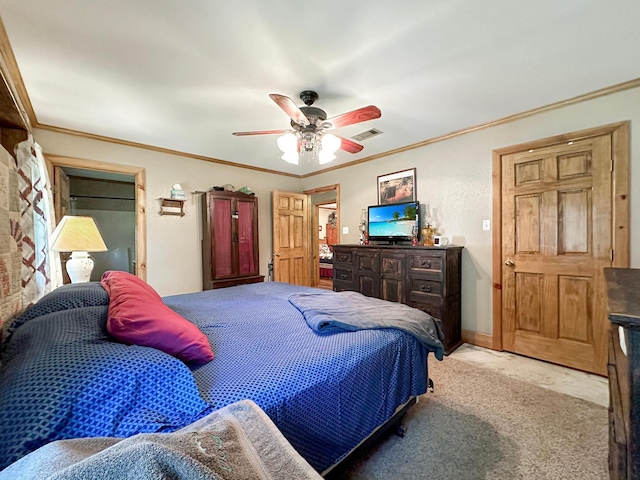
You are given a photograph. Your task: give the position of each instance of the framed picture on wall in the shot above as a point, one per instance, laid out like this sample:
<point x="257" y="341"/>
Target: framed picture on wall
<point x="397" y="187"/>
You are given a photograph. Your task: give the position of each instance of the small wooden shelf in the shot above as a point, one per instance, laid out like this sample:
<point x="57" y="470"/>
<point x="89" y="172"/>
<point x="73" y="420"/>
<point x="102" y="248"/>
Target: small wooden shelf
<point x="172" y="206"/>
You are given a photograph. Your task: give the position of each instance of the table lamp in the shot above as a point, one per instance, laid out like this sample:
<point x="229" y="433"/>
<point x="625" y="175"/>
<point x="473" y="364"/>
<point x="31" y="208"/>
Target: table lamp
<point x="78" y="235"/>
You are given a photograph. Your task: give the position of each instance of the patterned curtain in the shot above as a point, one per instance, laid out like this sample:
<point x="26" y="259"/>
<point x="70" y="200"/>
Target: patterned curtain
<point x="10" y="242"/>
<point x="40" y="267"/>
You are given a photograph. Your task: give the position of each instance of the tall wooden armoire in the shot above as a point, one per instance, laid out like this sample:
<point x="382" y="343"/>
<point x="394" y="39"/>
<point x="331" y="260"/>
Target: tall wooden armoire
<point x="230" y="250"/>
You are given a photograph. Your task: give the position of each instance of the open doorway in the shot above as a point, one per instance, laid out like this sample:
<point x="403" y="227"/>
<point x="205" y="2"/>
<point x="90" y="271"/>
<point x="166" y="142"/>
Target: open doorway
<point x="327" y="237"/>
<point x="325" y="227"/>
<point x="114" y="195"/>
<point x="109" y="198"/>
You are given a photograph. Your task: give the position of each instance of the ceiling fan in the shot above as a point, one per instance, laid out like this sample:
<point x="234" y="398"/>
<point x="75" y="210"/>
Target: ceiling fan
<point x="310" y="128"/>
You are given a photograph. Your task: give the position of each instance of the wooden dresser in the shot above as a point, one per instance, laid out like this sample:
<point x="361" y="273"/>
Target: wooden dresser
<point x="427" y="278"/>
<point x="623" y="302"/>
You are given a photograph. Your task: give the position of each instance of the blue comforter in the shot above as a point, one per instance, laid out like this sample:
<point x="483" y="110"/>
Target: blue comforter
<point x="64" y="377"/>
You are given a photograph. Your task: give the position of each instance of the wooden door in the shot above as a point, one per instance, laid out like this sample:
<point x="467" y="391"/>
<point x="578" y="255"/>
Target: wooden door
<point x="557" y="238"/>
<point x="62" y="193"/>
<point x="291" y="258"/>
<point x="62" y="207"/>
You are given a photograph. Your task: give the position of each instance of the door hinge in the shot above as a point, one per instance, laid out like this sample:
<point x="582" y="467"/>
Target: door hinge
<point x="611" y="255"/>
<point x="611" y="165"/>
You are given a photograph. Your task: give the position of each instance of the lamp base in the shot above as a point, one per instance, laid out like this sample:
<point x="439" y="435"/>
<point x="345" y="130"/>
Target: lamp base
<point x="79" y="267"/>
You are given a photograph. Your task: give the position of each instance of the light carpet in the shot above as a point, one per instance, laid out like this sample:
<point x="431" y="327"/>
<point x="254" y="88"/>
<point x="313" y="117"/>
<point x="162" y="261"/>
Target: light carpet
<point x="480" y="424"/>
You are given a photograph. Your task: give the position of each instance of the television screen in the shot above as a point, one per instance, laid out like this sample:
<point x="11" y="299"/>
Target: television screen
<point x="393" y="222"/>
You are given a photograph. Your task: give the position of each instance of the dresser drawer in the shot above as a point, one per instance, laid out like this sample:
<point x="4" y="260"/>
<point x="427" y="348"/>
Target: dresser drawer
<point x="342" y="274"/>
<point x="339" y="286"/>
<point x="342" y="257"/>
<point x="428" y="265"/>
<point x="421" y="286"/>
<point x="435" y="309"/>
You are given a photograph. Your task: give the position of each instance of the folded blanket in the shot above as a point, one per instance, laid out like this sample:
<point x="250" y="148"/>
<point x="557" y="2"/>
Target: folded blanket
<point x="236" y="442"/>
<point x="329" y="312"/>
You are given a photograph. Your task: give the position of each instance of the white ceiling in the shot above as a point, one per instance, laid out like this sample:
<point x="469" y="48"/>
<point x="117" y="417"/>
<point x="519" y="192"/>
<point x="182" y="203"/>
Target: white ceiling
<point x="185" y="74"/>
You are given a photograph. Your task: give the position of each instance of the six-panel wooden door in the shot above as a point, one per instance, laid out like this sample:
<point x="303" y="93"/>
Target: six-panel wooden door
<point x="556" y="225"/>
<point x="291" y="238"/>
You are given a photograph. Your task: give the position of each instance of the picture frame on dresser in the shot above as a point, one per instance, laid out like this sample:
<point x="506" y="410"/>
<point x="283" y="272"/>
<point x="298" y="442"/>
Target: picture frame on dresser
<point x="397" y="187"/>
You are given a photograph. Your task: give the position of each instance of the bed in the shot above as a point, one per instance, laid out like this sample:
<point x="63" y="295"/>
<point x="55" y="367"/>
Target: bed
<point x="63" y="376"/>
<point x="325" y="258"/>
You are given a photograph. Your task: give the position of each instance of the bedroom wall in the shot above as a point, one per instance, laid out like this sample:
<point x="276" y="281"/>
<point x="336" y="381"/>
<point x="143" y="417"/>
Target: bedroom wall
<point x="173" y="243"/>
<point x="454" y="178"/>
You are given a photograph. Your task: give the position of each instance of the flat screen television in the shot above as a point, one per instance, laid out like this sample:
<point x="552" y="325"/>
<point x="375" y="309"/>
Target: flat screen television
<point x="393" y="223"/>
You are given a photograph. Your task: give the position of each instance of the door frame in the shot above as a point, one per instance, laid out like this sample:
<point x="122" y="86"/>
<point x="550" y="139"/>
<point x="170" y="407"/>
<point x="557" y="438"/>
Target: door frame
<point x="140" y="181"/>
<point x="313" y="254"/>
<point x="620" y="154"/>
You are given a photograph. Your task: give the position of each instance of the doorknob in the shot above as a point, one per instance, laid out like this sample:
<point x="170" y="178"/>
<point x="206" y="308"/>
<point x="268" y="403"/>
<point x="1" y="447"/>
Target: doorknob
<point x="509" y="263"/>
<point x="276" y="254"/>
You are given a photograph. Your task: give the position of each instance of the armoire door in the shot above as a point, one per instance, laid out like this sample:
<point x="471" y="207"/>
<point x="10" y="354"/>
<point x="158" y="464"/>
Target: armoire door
<point x="246" y="237"/>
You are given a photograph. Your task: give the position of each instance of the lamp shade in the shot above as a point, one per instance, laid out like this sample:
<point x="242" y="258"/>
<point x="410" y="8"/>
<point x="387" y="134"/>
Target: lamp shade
<point x="75" y="233"/>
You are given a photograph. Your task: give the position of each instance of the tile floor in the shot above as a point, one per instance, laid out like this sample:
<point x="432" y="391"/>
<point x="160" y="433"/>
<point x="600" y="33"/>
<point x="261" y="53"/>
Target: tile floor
<point x="564" y="380"/>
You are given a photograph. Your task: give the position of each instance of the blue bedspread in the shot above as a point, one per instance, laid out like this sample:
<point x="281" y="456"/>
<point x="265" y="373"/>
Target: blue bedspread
<point x="63" y="377"/>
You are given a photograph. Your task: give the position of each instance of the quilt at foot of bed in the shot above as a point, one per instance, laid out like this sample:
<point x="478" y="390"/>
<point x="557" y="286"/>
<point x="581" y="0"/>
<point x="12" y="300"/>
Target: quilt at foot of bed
<point x="237" y="441"/>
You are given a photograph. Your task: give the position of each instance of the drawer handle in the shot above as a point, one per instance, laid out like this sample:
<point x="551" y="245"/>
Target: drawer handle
<point x="425" y="288"/>
<point x="343" y="258"/>
<point x="343" y="276"/>
<point x="426" y="263"/>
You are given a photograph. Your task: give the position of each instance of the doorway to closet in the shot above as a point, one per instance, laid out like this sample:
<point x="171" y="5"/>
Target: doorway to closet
<point x="114" y="195"/>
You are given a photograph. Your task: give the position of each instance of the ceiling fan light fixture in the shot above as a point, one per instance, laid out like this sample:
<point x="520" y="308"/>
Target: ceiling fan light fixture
<point x="288" y="143"/>
<point x="308" y="139"/>
<point x="290" y="157"/>
<point x="325" y="157"/>
<point x="330" y="143"/>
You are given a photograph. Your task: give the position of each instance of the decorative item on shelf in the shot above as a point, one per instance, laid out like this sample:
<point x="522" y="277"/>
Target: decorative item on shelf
<point x="177" y="193"/>
<point x="366" y="238"/>
<point x="415" y="233"/>
<point x="172" y="206"/>
<point x="78" y="235"/>
<point x="427" y="233"/>
<point x="440" y="241"/>
<point x="363" y="226"/>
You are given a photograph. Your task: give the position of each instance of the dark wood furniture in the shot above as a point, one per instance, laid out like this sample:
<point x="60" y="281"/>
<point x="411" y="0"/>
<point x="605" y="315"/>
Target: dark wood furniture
<point x="623" y="302"/>
<point x="427" y="278"/>
<point x="229" y="239"/>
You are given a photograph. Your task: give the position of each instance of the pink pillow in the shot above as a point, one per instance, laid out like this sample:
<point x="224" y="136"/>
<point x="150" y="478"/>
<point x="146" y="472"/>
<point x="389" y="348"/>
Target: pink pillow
<point x="138" y="316"/>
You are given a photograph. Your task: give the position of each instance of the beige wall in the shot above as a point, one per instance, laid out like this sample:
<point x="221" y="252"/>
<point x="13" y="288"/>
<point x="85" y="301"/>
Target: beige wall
<point x="454" y="176"/>
<point x="173" y="243"/>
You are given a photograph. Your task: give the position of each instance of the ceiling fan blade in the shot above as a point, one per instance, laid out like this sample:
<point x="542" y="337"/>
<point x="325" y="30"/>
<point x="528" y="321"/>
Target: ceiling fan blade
<point x="349" y="145"/>
<point x="290" y="108"/>
<point x="262" y="132"/>
<point x="355" y="116"/>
